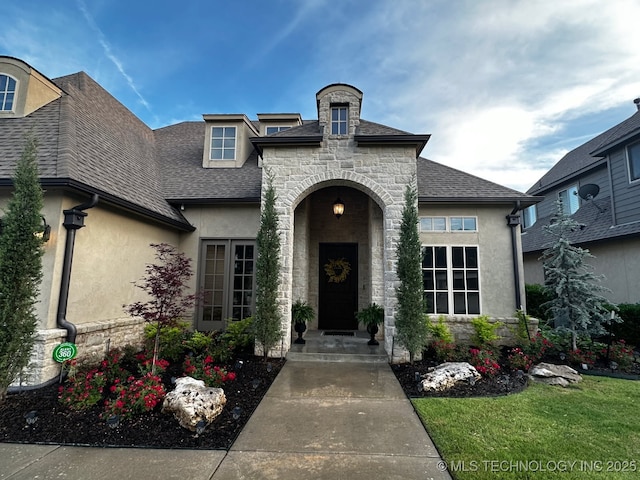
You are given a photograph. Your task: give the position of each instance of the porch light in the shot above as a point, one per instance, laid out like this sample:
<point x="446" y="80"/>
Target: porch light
<point x="338" y="208"/>
<point x="45" y="234"/>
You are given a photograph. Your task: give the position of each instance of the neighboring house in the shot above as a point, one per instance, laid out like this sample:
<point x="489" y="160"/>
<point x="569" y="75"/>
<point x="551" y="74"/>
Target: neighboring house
<point x="598" y="184"/>
<point x="198" y="185"/>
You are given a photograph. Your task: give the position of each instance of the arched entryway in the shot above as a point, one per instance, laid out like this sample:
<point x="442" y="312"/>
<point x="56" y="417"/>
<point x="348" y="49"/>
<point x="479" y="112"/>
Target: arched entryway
<point x="337" y="262"/>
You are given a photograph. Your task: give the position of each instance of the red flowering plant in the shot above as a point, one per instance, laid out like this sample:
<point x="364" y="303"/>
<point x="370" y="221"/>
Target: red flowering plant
<point x="518" y="360"/>
<point x="135" y="396"/>
<point x="444" y="351"/>
<point x="83" y="388"/>
<point x="538" y="347"/>
<point x="618" y="352"/>
<point x="203" y="368"/>
<point x="484" y="361"/>
<point x="145" y="363"/>
<point x="581" y="357"/>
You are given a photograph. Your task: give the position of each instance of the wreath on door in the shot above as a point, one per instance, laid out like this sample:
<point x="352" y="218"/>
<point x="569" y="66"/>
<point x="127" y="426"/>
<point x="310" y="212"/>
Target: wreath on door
<point x="337" y="270"/>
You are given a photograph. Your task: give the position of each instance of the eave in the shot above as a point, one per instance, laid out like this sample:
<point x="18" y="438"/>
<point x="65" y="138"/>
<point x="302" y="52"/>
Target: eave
<point x="419" y="141"/>
<point x="108" y="198"/>
<point x="306" y="141"/>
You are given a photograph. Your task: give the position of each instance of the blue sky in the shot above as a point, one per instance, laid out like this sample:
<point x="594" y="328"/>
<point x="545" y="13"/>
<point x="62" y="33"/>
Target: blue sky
<point x="504" y="87"/>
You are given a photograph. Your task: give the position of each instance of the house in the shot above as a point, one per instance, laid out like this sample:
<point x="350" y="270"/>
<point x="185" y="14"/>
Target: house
<point x="598" y="184"/>
<point x="113" y="186"/>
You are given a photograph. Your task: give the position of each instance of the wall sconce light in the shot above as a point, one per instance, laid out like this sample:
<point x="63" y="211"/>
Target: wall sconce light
<point x="45" y="234"/>
<point x="338" y="208"/>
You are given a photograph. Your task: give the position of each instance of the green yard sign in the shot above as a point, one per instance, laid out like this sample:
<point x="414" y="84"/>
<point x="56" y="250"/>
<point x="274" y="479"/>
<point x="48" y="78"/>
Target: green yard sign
<point x="65" y="351"/>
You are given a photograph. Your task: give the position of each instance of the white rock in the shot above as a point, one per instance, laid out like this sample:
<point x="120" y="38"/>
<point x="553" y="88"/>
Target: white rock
<point x="554" y="374"/>
<point x="446" y="375"/>
<point x="192" y="401"/>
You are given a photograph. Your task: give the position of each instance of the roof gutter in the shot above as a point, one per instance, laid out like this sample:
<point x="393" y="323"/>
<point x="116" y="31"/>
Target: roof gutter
<point x="73" y="220"/>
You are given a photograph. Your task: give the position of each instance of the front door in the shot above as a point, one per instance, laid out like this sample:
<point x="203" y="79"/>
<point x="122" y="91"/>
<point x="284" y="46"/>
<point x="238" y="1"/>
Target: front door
<point x="338" y="283"/>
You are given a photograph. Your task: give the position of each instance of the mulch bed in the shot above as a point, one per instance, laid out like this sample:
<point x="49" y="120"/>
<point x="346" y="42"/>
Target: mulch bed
<point x="58" y="425"/>
<point x="501" y="384"/>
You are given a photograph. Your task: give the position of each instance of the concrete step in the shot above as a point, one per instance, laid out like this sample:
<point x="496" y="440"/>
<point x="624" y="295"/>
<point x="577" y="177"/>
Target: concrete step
<point x="337" y="357"/>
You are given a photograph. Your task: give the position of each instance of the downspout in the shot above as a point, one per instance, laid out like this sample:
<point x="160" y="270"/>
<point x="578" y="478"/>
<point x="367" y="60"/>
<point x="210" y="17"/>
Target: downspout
<point x="513" y="220"/>
<point x="73" y="220"/>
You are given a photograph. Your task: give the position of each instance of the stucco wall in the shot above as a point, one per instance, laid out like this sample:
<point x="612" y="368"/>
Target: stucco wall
<point x="493" y="238"/>
<point x="217" y="222"/>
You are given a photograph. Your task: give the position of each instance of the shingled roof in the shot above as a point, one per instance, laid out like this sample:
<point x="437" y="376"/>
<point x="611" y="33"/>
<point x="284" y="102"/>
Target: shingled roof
<point x="595" y="221"/>
<point x="180" y="149"/>
<point x="89" y="142"/>
<point x="587" y="155"/>
<point x="438" y="183"/>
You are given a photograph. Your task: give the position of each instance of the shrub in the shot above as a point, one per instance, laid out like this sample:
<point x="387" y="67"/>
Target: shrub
<point x="112" y="367"/>
<point x="538" y="347"/>
<point x="440" y="330"/>
<point x="83" y="388"/>
<point x="518" y="360"/>
<point x="135" y="396"/>
<point x="444" y="351"/>
<point x="197" y="342"/>
<point x="484" y="361"/>
<point x="578" y="357"/>
<point x="618" y="352"/>
<point x="239" y="335"/>
<point x="171" y="340"/>
<point x="484" y="331"/>
<point x="537" y="295"/>
<point x="204" y="369"/>
<point x="629" y="329"/>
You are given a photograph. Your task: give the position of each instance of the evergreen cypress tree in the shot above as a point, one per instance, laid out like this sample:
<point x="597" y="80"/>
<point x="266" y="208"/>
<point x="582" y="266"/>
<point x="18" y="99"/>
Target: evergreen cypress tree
<point x="411" y="323"/>
<point x="20" y="268"/>
<point x="267" y="319"/>
<point x="576" y="304"/>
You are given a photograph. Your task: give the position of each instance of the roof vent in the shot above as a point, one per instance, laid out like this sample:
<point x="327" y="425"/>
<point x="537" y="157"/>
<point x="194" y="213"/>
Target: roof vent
<point x="637" y="102"/>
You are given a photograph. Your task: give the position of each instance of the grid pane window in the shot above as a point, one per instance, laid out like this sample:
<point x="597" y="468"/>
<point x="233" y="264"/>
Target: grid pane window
<point x="7" y="93"/>
<point x="450" y="277"/>
<point x="227" y="282"/>
<point x="223" y="143"/>
<point x="633" y="154"/>
<point x="338" y="120"/>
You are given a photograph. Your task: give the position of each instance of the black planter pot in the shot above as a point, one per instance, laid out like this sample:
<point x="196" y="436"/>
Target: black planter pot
<point x="300" y="328"/>
<point x="372" y="330"/>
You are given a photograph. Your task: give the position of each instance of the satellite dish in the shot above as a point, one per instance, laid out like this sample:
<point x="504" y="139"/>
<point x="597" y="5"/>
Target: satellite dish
<point x="589" y="191"/>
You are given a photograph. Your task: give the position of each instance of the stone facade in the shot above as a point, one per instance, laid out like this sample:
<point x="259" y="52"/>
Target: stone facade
<point x="93" y="341"/>
<point x="380" y="172"/>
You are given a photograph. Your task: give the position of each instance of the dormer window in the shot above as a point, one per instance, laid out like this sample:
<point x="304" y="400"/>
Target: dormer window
<point x="7" y="93"/>
<point x="223" y="143"/>
<point x="339" y="120"/>
<point x="272" y="130"/>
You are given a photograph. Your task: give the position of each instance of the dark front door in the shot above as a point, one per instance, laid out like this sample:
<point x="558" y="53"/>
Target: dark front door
<point x="338" y="300"/>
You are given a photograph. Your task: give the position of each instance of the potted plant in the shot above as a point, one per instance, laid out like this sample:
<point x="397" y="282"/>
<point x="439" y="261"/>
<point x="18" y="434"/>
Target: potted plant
<point x="371" y="317"/>
<point x="301" y="313"/>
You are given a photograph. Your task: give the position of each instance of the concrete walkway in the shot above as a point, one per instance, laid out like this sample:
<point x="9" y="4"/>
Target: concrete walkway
<point x="319" y="420"/>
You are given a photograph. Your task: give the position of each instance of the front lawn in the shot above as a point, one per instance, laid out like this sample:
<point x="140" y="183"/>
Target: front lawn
<point x="591" y="430"/>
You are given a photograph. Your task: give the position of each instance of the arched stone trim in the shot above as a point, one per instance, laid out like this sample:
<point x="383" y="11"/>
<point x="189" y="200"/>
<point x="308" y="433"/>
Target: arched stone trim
<point x="321" y="180"/>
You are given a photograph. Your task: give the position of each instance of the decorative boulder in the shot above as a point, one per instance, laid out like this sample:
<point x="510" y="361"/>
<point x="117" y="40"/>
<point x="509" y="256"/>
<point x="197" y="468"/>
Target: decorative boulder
<point x="192" y="401"/>
<point x="446" y="375"/>
<point x="554" y="374"/>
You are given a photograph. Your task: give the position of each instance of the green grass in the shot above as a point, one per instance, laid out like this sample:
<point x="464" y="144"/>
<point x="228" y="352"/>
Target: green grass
<point x="595" y="424"/>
